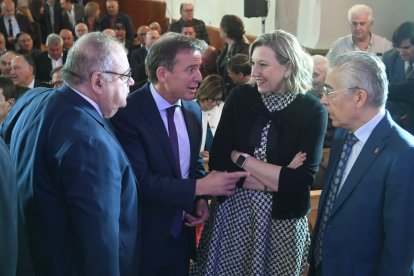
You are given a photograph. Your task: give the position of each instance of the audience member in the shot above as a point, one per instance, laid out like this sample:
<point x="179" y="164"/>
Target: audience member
<point x="6" y="59"/>
<point x="25" y="45"/>
<point x="80" y="30"/>
<point x="78" y="193"/>
<point x="114" y="16"/>
<point x="210" y="96"/>
<point x="351" y="235"/>
<point x="141" y="34"/>
<point x="92" y="14"/>
<point x="35" y="29"/>
<point x="187" y="18"/>
<point x="188" y="30"/>
<point x="137" y="59"/>
<point x="71" y="14"/>
<point x="7" y="98"/>
<point x="160" y="131"/>
<point x="8" y="211"/>
<point x="239" y="69"/>
<point x="360" y="19"/>
<point x="52" y="19"/>
<point x="209" y="61"/>
<point x="53" y="58"/>
<point x="320" y="69"/>
<point x="155" y="26"/>
<point x="12" y="24"/>
<point x="262" y="229"/>
<point x="120" y="34"/>
<point x="36" y="12"/>
<point x="2" y="44"/>
<point x="23" y="71"/>
<point x="399" y="66"/>
<point x="56" y="77"/>
<point x="231" y="31"/>
<point x="67" y="37"/>
<point x="110" y="32"/>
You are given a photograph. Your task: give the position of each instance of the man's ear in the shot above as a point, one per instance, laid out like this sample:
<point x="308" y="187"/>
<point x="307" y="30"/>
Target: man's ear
<point x="360" y="98"/>
<point x="161" y="73"/>
<point x="96" y="82"/>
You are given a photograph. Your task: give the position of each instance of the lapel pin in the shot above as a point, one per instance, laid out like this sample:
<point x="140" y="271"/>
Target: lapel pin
<point x="376" y="151"/>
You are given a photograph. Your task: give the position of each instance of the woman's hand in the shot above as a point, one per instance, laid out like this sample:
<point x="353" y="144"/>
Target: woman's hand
<point x="298" y="160"/>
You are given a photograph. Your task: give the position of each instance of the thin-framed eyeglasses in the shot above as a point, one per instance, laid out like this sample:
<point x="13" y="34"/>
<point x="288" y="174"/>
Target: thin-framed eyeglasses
<point x="326" y="92"/>
<point x="122" y="76"/>
<point x="213" y="100"/>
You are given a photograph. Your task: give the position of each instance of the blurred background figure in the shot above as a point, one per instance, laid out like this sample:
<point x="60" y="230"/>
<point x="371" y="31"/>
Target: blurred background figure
<point x="52" y="19"/>
<point x="25" y="45"/>
<point x="35" y="30"/>
<point x="5" y="63"/>
<point x="113" y="16"/>
<point x="71" y="14"/>
<point x="187" y="18"/>
<point x="12" y="24"/>
<point x="80" y="30"/>
<point x="231" y="31"/>
<point x="52" y="58"/>
<point x="155" y="26"/>
<point x="141" y="33"/>
<point x="7" y="96"/>
<point x="110" y="32"/>
<point x="23" y="71"/>
<point x="120" y="34"/>
<point x="239" y="69"/>
<point x="189" y="30"/>
<point x="320" y="69"/>
<point x="209" y="61"/>
<point x="56" y="77"/>
<point x="68" y="39"/>
<point x="92" y="14"/>
<point x="2" y="44"/>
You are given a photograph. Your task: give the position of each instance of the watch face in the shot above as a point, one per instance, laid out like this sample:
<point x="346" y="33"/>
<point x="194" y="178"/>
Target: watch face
<point x="240" y="160"/>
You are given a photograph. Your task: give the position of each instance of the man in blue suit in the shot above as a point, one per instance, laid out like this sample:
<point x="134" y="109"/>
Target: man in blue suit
<point x="160" y="131"/>
<point x="78" y="193"/>
<point x="365" y="219"/>
<point x="399" y="67"/>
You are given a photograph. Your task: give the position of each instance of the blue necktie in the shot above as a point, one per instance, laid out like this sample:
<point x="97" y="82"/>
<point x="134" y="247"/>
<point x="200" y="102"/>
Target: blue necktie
<point x="333" y="191"/>
<point x="172" y="134"/>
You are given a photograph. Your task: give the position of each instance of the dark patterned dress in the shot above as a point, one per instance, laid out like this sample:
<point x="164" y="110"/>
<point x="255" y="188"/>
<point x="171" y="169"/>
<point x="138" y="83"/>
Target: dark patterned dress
<point x="241" y="238"/>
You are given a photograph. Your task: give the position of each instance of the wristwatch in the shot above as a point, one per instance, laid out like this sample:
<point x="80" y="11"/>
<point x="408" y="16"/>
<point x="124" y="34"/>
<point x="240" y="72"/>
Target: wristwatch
<point x="241" y="160"/>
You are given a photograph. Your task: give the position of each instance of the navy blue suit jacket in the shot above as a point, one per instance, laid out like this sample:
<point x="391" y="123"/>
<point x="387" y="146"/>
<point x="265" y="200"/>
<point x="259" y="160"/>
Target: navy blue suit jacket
<point x="24" y="25"/>
<point x="143" y="136"/>
<point x="77" y="191"/>
<point x="394" y="66"/>
<point x="44" y="65"/>
<point x="123" y="18"/>
<point x="370" y="229"/>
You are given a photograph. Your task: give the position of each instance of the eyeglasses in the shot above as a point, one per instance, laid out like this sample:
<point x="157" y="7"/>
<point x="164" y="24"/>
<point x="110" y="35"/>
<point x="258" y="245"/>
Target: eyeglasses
<point x="326" y="92"/>
<point x="213" y="100"/>
<point x="123" y="77"/>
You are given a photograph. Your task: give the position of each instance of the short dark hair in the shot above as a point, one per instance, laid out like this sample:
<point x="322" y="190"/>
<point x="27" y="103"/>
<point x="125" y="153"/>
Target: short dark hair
<point x="29" y="59"/>
<point x="239" y="63"/>
<point x="9" y="91"/>
<point x="164" y="51"/>
<point x="233" y="26"/>
<point x="404" y="31"/>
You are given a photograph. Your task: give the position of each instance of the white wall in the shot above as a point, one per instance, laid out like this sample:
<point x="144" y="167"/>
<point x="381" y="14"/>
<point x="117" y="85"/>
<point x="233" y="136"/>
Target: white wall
<point x="316" y="23"/>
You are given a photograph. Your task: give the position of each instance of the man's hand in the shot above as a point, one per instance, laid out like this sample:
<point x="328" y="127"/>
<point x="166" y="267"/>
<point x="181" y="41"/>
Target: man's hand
<point x="200" y="216"/>
<point x="219" y="183"/>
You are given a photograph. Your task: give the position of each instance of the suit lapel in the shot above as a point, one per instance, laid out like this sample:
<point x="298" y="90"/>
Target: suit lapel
<point x="154" y="120"/>
<point x="371" y="150"/>
<point x="193" y="135"/>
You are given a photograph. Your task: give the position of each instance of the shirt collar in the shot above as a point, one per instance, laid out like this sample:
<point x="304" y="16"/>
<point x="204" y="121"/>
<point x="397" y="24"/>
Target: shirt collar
<point x="363" y="132"/>
<point x="161" y="103"/>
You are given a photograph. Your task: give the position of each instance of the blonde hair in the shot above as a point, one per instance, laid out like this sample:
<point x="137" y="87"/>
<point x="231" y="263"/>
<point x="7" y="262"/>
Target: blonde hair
<point x="211" y="87"/>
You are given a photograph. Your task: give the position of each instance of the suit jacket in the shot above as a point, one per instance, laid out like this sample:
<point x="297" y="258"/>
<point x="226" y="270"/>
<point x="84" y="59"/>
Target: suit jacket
<point x="370" y="228"/>
<point x="46" y="23"/>
<point x="79" y="13"/>
<point x="142" y="134"/>
<point x="44" y="65"/>
<point x="8" y="213"/>
<point x="137" y="56"/>
<point x="24" y="26"/>
<point x="78" y="192"/>
<point x="394" y="66"/>
<point x="105" y="23"/>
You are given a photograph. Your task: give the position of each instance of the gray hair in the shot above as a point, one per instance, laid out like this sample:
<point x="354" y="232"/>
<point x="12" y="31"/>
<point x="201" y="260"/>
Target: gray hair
<point x="360" y="9"/>
<point x="365" y="71"/>
<point x="54" y="39"/>
<point x="288" y="52"/>
<point x="93" y="52"/>
<point x="164" y="51"/>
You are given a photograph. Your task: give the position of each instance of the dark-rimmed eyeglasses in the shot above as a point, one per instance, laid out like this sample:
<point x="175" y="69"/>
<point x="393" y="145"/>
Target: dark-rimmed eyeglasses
<point x="326" y="90"/>
<point x="122" y="76"/>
